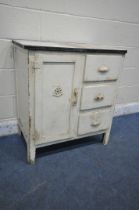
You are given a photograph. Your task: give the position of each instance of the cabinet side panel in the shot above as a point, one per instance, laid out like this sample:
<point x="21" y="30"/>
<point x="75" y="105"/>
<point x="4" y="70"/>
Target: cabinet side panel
<point x="21" y="66"/>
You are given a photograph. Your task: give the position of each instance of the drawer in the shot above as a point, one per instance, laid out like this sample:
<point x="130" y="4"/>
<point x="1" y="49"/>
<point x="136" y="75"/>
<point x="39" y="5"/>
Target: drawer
<point x="102" y="67"/>
<point x="94" y="96"/>
<point x="93" y="121"/>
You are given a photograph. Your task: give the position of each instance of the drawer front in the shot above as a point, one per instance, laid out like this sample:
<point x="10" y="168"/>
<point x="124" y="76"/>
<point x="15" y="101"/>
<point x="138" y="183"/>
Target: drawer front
<point x="93" y="121"/>
<point x="102" y="67"/>
<point x="94" y="96"/>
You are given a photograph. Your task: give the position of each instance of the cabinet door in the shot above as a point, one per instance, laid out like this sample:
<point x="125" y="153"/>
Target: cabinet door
<point x="57" y="95"/>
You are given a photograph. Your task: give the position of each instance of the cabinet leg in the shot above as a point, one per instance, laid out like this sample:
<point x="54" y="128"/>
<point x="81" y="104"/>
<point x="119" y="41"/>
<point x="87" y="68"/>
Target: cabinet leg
<point x="106" y="137"/>
<point x="31" y="153"/>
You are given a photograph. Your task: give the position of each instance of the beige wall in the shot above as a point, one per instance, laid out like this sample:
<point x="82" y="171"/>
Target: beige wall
<point x="101" y="22"/>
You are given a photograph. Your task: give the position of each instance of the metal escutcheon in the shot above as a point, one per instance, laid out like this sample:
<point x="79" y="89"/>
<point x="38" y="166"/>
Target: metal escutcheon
<point x="58" y="91"/>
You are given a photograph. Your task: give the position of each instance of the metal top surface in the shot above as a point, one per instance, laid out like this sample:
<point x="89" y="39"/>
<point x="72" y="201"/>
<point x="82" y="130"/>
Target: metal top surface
<point x="68" y="47"/>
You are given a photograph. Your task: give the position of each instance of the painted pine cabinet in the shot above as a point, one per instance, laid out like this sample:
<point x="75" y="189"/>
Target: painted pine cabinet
<point x="64" y="91"/>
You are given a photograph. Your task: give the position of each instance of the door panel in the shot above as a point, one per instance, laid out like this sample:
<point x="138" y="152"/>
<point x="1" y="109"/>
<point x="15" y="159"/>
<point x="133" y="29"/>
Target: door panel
<point x="55" y="83"/>
<point x="57" y="90"/>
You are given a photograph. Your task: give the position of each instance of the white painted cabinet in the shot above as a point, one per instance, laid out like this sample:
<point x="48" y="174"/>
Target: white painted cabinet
<point x="64" y="91"/>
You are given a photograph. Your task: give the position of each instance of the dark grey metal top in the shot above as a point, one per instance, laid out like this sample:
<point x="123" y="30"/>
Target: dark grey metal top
<point x="67" y="47"/>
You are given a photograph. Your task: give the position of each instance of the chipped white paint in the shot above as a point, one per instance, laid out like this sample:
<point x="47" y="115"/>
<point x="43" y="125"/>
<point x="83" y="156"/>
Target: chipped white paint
<point x="52" y="103"/>
<point x="64" y="70"/>
<point x="21" y="66"/>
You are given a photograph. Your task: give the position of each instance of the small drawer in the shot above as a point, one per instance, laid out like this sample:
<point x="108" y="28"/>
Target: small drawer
<point x="102" y="67"/>
<point x="93" y="121"/>
<point x="94" y="96"/>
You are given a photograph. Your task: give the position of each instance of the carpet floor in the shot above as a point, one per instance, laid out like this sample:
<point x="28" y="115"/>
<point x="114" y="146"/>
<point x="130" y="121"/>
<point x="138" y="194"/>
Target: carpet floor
<point x="79" y="175"/>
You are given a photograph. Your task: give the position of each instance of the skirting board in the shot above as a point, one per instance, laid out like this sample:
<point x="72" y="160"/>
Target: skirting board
<point x="8" y="127"/>
<point x="124" y="109"/>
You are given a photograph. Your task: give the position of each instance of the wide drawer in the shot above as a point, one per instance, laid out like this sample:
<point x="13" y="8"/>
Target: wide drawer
<point x="93" y="121"/>
<point x="94" y="96"/>
<point x="102" y="67"/>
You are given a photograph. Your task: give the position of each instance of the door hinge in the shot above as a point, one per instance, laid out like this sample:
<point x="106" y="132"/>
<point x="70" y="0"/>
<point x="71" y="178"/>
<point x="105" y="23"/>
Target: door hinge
<point x="36" y="65"/>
